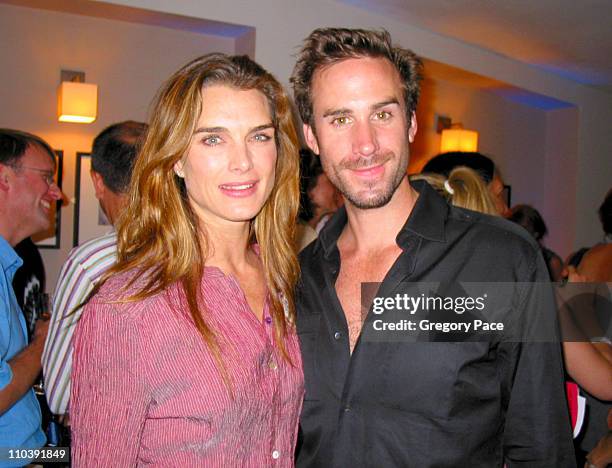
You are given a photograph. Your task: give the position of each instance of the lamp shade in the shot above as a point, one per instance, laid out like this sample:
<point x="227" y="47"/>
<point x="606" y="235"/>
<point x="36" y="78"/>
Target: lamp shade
<point x="77" y="102"/>
<point x="459" y="139"/>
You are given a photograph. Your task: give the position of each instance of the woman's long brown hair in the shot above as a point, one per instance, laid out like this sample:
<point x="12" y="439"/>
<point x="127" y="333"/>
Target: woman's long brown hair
<point x="158" y="233"/>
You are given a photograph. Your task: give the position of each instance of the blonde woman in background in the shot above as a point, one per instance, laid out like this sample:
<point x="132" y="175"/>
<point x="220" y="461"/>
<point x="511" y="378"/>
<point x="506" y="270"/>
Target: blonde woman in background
<point x="464" y="188"/>
<point x="187" y="354"/>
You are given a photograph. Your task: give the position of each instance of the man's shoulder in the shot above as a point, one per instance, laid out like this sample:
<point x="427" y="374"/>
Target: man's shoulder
<point x="88" y="253"/>
<point x="8" y="257"/>
<point x="490" y="229"/>
<point x="94" y="246"/>
<point x="481" y="229"/>
<point x="310" y="253"/>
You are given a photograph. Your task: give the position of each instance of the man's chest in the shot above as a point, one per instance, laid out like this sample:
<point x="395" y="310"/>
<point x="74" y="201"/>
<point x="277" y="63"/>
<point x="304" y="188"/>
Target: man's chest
<point x="354" y="272"/>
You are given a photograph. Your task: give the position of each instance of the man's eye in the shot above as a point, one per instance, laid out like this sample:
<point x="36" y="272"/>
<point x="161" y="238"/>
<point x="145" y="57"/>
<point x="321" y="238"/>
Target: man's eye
<point x="212" y="140"/>
<point x="342" y="120"/>
<point x="382" y="115"/>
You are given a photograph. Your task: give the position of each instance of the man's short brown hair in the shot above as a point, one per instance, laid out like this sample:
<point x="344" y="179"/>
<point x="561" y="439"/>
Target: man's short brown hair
<point x="14" y="143"/>
<point x="326" y="46"/>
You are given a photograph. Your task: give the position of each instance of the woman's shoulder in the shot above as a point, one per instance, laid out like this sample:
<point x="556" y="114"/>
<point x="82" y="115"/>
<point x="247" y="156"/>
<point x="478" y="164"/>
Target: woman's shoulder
<point x="596" y="264"/>
<point x="123" y="291"/>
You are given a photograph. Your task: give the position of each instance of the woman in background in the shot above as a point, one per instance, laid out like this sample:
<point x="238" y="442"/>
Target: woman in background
<point x="187" y="354"/>
<point x="484" y="166"/>
<point x="531" y="219"/>
<point x="463" y="187"/>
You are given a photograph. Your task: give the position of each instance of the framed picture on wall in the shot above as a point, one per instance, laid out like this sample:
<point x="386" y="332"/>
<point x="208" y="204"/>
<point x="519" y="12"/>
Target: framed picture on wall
<point x="89" y="219"/>
<point x="50" y="239"/>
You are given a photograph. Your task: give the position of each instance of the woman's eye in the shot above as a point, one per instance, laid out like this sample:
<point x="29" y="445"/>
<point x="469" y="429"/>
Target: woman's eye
<point x="212" y="140"/>
<point x="261" y="137"/>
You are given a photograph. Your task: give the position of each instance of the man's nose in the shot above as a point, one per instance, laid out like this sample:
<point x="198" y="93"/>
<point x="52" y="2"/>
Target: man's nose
<point x="56" y="192"/>
<point x="364" y="139"/>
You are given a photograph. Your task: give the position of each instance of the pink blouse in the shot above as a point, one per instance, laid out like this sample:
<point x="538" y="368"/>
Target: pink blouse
<point x="146" y="391"/>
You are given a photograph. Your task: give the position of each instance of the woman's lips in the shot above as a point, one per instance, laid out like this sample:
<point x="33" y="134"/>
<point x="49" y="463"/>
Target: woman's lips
<point x="239" y="189"/>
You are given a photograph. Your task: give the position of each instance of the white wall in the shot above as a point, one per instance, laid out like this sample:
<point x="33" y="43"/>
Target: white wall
<point x="512" y="134"/>
<point x="560" y="173"/>
<point x="282" y="24"/>
<point x="127" y="61"/>
<point x="534" y="148"/>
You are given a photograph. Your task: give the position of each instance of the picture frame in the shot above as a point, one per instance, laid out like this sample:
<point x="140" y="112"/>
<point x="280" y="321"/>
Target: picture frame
<point x="51" y="238"/>
<point x="89" y="219"/>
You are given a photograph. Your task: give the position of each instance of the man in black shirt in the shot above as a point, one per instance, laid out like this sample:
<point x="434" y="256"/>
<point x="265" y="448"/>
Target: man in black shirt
<point x="29" y="282"/>
<point x="379" y="402"/>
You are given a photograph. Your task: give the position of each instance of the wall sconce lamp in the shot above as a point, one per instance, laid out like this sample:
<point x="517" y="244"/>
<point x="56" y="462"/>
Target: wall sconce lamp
<point x="77" y="101"/>
<point x="455" y="137"/>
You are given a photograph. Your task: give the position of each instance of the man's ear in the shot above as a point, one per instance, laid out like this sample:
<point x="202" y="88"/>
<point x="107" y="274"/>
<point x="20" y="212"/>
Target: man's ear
<point x="311" y="139"/>
<point x="4" y="178"/>
<point x="413" y="128"/>
<point x="98" y="184"/>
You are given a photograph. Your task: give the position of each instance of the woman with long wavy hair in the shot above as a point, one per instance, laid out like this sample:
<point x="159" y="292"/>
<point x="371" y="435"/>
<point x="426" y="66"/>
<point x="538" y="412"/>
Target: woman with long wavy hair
<point x="186" y="355"/>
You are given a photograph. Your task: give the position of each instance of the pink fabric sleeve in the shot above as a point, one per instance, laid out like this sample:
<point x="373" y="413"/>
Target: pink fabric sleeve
<point x="108" y="398"/>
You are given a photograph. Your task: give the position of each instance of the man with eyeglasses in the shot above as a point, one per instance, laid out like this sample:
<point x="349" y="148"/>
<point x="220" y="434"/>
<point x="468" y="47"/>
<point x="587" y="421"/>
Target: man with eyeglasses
<point x="27" y="193"/>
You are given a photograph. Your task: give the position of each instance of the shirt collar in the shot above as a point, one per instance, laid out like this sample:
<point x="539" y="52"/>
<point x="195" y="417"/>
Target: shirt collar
<point x="427" y="220"/>
<point x="428" y="217"/>
<point x="9" y="260"/>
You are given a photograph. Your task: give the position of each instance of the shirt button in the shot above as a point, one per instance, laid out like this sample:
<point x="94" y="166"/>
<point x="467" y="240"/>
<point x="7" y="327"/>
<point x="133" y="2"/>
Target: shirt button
<point x="268" y="320"/>
<point x="275" y="454"/>
<point x="347" y="409"/>
<point x="337" y="335"/>
<point x="273" y="365"/>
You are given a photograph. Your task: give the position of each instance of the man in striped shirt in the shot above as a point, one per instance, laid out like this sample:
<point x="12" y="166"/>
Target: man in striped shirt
<point x="113" y="154"/>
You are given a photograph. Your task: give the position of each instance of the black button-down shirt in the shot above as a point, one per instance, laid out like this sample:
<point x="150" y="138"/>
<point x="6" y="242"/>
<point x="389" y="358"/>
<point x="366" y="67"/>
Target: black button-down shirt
<point x="450" y="404"/>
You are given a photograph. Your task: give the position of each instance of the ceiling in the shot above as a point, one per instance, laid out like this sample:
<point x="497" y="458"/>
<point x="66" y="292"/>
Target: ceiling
<point x="569" y="38"/>
<point x="111" y="11"/>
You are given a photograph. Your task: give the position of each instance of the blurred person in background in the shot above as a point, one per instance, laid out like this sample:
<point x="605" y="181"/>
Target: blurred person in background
<point x="589" y="362"/>
<point x="323" y="197"/>
<point x="444" y="163"/>
<point x="463" y="187"/>
<point x="112" y="159"/>
<point x="304" y="232"/>
<point x="596" y="264"/>
<point x="531" y="219"/>
<point x="29" y="281"/>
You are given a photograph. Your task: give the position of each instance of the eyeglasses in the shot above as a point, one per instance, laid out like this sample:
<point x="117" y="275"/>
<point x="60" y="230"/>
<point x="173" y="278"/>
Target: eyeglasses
<point x="48" y="176"/>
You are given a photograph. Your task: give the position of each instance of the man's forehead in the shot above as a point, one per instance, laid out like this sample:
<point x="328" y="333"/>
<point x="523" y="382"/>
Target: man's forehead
<point x="376" y="76"/>
<point x="36" y="154"/>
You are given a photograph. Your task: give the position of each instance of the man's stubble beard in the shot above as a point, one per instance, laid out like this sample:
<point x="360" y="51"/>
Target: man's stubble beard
<point x="371" y="200"/>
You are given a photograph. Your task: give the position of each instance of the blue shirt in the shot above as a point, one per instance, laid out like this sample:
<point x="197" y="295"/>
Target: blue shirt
<point x="20" y="424"/>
